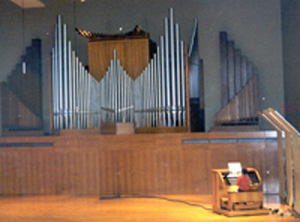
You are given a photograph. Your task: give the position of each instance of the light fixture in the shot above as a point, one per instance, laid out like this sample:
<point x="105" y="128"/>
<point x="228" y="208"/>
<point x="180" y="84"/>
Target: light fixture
<point x="29" y="3"/>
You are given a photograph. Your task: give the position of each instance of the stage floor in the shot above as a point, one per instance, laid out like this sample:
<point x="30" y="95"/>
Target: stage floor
<point x="169" y="208"/>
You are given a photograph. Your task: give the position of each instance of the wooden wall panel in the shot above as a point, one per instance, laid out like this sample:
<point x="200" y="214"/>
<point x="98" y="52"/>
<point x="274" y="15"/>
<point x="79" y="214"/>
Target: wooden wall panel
<point x="271" y="173"/>
<point x="132" y="53"/>
<point x="222" y="154"/>
<point x="131" y="164"/>
<point x="195" y="178"/>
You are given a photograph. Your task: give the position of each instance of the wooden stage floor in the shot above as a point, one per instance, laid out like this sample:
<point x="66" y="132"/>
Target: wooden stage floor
<point x="91" y="208"/>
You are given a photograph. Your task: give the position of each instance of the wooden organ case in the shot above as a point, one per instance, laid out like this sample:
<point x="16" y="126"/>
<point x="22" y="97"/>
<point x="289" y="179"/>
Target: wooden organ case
<point x="228" y="201"/>
<point x="133" y="51"/>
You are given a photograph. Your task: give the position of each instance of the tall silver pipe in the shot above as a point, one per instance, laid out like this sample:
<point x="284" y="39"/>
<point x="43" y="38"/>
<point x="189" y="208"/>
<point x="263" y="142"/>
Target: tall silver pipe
<point x="163" y="82"/>
<point x="149" y="105"/>
<point x="73" y="90"/>
<point x="172" y="62"/>
<point x="104" y="95"/>
<point x="60" y="76"/>
<point x="146" y="96"/>
<point x="119" y="96"/>
<point x="150" y="82"/>
<point x="54" y="81"/>
<point x="156" y="91"/>
<point x="85" y="97"/>
<point x="138" y="99"/>
<point x="123" y="108"/>
<point x="125" y="84"/>
<point x="108" y="101"/>
<point x="65" y="78"/>
<point x="167" y="72"/>
<point x="178" y="75"/>
<point x="131" y="100"/>
<point x="183" y="88"/>
<point x="93" y="104"/>
<point x="99" y="96"/>
<point x="53" y="91"/>
<point x="70" y="85"/>
<point x="89" y="96"/>
<point x="111" y="92"/>
<point x="56" y="78"/>
<point x="79" y="96"/>
<point x="81" y="93"/>
<point x="76" y="93"/>
<point x="78" y="104"/>
<point x="159" y="87"/>
<point x="83" y="100"/>
<point x="115" y="99"/>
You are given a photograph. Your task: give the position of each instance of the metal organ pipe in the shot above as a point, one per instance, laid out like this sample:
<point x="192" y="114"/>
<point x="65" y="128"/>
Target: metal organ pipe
<point x="172" y="63"/>
<point x="163" y="82"/>
<point x="54" y="99"/>
<point x="70" y="80"/>
<point x="167" y="73"/>
<point x="183" y="82"/>
<point x="64" y="78"/>
<point x="178" y="74"/>
<point x="159" y="90"/>
<point x="60" y="77"/>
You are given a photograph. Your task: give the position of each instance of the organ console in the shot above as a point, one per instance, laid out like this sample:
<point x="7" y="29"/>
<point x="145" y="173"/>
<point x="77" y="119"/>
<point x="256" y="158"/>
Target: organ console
<point x="228" y="201"/>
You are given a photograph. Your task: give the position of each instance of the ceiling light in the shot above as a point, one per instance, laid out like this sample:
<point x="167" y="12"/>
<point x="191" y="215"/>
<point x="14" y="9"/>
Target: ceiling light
<point x="29" y="3"/>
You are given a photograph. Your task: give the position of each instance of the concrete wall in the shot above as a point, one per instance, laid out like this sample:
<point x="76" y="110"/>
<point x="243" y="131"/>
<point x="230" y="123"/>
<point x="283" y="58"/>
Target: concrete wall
<point x="254" y="25"/>
<point x="291" y="65"/>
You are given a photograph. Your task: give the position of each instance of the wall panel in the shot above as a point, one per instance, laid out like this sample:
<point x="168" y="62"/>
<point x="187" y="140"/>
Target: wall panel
<point x="130" y="164"/>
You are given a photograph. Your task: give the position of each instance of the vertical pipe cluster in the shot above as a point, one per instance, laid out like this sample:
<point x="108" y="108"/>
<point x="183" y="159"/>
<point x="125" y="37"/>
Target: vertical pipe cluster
<point x="239" y="86"/>
<point x="155" y="99"/>
<point x="161" y="101"/>
<point x="116" y="97"/>
<point x="74" y="90"/>
<point x="236" y="70"/>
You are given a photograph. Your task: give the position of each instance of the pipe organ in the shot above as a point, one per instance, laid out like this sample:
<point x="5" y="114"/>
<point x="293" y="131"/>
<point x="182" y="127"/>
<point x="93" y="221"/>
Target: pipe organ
<point x="154" y="98"/>
<point x="239" y="87"/>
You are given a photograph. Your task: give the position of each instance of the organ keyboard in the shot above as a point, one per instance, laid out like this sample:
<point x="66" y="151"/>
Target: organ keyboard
<point x="228" y="201"/>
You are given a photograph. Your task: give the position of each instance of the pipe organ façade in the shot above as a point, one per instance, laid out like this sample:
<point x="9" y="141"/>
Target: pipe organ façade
<point x="155" y="97"/>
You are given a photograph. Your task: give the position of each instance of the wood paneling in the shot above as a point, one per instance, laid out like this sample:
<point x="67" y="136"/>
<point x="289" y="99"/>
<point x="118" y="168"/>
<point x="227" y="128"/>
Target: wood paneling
<point x="131" y="164"/>
<point x="132" y="53"/>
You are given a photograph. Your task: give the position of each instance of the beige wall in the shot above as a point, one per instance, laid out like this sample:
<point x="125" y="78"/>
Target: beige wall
<point x="254" y="25"/>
